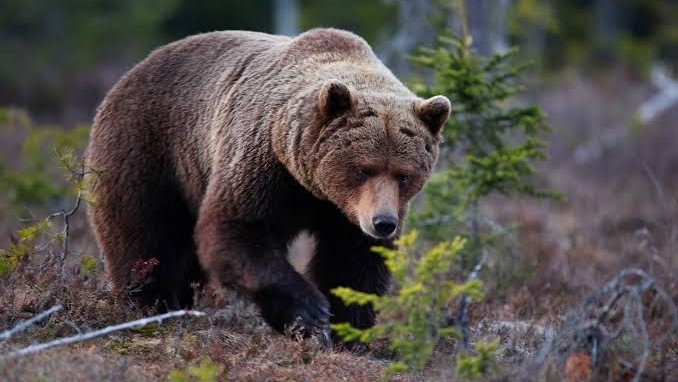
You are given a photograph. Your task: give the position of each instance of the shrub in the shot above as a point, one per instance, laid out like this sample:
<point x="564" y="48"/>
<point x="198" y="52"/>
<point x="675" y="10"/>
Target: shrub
<point x="40" y="179"/>
<point x="206" y="371"/>
<point x="415" y="317"/>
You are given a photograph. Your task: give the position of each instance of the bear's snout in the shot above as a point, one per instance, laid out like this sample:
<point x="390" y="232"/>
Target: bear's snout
<point x="378" y="206"/>
<point x="385" y="225"/>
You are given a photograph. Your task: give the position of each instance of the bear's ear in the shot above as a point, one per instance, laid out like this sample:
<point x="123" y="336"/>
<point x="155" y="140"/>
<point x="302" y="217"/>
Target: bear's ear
<point x="433" y="112"/>
<point x="335" y="99"/>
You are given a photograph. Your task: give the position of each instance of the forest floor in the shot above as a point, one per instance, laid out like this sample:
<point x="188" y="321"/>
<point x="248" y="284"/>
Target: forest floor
<point x="549" y="301"/>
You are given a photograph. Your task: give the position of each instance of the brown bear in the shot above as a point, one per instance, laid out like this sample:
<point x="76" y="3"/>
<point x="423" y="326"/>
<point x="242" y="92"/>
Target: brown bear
<point x="210" y="156"/>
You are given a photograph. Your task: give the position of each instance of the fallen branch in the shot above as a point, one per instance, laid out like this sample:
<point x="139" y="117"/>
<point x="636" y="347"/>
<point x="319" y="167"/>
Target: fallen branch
<point x="23" y="325"/>
<point x="620" y="289"/>
<point x="617" y="311"/>
<point x="136" y="324"/>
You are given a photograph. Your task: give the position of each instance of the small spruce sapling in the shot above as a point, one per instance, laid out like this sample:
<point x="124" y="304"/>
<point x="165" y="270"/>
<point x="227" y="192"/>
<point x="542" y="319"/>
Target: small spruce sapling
<point x="414" y="317"/>
<point x="489" y="141"/>
<point x="483" y="362"/>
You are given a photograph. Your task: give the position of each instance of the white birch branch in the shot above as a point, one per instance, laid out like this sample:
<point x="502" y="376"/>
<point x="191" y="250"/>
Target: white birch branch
<point x="662" y="101"/>
<point x="23" y="325"/>
<point x="136" y="324"/>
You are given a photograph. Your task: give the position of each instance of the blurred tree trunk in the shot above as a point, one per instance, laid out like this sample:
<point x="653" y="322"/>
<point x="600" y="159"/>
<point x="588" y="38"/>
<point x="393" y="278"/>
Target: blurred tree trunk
<point x="414" y="29"/>
<point x="535" y="43"/>
<point x="488" y="24"/>
<point x="286" y="17"/>
<point x="607" y="21"/>
<point x="500" y="41"/>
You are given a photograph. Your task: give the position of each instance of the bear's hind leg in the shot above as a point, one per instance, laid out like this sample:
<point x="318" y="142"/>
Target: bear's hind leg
<point x="145" y="231"/>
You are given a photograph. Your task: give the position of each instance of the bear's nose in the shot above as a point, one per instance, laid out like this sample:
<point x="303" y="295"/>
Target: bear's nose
<point x="385" y="224"/>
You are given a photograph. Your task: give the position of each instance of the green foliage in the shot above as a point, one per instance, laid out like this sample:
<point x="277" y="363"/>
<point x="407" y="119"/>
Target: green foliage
<point x="21" y="248"/>
<point x="478" y="365"/>
<point x="206" y="371"/>
<point x="415" y="316"/>
<point x="482" y="124"/>
<point x="89" y="265"/>
<point x="489" y="141"/>
<point x="39" y="180"/>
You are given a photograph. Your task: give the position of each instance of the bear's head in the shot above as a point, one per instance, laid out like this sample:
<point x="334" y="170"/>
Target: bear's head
<point x="368" y="153"/>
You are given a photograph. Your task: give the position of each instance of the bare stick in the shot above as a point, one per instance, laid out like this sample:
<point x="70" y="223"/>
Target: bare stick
<point x="136" y="324"/>
<point x="668" y="207"/>
<point x="464" y="303"/>
<point x="67" y="228"/>
<point x="462" y="318"/>
<point x="619" y="290"/>
<point x="641" y="331"/>
<point x="23" y="325"/>
<point x="65" y="233"/>
<point x="549" y="340"/>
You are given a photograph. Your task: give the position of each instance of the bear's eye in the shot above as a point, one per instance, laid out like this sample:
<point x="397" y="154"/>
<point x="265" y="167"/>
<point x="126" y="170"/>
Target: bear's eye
<point x="403" y="179"/>
<point x="363" y="175"/>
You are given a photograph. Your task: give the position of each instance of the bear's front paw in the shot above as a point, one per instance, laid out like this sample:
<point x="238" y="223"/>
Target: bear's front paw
<point x="294" y="312"/>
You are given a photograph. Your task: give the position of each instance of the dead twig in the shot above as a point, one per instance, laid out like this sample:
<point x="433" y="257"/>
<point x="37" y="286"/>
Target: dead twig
<point x="23" y="325"/>
<point x="76" y="177"/>
<point x="461" y="319"/>
<point x="67" y="228"/>
<point x="65" y="232"/>
<point x="618" y="310"/>
<point x="671" y="228"/>
<point x="465" y="302"/>
<point x="136" y="324"/>
<point x="619" y="288"/>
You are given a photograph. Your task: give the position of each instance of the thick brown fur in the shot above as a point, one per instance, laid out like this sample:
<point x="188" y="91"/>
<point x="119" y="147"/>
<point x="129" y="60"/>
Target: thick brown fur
<point x="218" y="149"/>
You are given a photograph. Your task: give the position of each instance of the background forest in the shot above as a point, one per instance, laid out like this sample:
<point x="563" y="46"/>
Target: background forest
<point x="578" y="287"/>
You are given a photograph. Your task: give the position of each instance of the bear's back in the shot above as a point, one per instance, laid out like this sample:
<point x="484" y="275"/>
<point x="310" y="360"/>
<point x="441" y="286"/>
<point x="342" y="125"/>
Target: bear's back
<point x="198" y="69"/>
<point x="173" y="94"/>
<point x="321" y="41"/>
<point x="194" y="63"/>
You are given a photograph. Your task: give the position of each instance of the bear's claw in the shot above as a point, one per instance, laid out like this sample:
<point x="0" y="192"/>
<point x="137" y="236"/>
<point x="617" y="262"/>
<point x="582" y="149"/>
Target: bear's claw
<point x="302" y="312"/>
